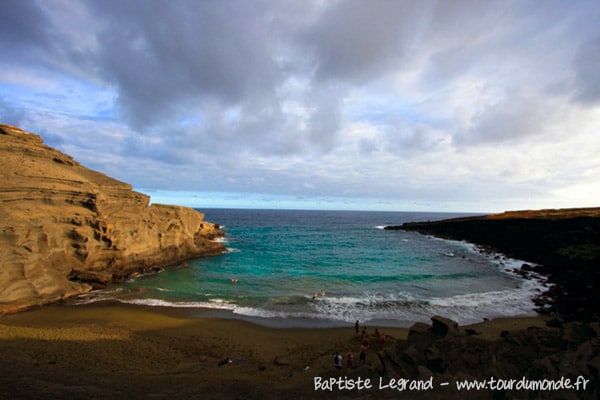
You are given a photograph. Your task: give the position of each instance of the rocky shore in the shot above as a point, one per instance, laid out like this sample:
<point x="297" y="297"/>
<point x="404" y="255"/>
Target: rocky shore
<point x="527" y="357"/>
<point x="65" y="229"/>
<point x="563" y="245"/>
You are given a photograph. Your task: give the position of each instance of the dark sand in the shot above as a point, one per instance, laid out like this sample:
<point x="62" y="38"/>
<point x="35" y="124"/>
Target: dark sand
<point x="120" y="351"/>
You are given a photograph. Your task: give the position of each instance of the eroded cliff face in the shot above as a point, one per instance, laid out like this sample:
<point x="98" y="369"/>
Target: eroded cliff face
<point x="65" y="229"/>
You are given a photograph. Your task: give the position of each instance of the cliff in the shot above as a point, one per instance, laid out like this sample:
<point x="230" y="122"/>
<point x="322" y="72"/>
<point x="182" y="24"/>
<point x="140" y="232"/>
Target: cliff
<point x="65" y="229"/>
<point x="564" y="242"/>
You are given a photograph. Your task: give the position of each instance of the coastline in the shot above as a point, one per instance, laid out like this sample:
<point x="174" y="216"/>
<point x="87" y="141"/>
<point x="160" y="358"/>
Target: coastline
<point x="563" y="245"/>
<point x="131" y="351"/>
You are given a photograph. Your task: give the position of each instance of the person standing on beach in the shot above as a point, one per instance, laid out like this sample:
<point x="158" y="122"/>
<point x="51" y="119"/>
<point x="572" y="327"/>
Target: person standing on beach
<point x="382" y="339"/>
<point x="349" y="359"/>
<point x="363" y="354"/>
<point x="366" y="341"/>
<point x="357" y="326"/>
<point x="337" y="360"/>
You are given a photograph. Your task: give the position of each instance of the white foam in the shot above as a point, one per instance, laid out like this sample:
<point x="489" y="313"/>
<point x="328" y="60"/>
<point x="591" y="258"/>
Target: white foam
<point x="220" y="301"/>
<point x="264" y="313"/>
<point x="401" y="309"/>
<point x="221" y="305"/>
<point x="467" y="308"/>
<point x="95" y="296"/>
<point x="531" y="285"/>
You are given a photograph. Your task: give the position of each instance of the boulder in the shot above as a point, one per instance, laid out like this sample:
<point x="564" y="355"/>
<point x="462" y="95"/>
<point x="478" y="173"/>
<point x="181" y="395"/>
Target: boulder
<point x="418" y="328"/>
<point x="421" y="334"/>
<point x="444" y="326"/>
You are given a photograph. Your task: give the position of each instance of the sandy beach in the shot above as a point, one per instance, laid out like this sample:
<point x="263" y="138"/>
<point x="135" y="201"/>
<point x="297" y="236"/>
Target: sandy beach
<point x="117" y="351"/>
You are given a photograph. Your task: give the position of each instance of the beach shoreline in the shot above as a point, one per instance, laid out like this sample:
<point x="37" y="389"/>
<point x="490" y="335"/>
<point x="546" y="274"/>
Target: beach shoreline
<point x="132" y="351"/>
<point x="288" y="322"/>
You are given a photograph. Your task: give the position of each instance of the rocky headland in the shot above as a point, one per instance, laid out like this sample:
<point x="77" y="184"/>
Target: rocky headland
<point x="563" y="245"/>
<point x="66" y="229"/>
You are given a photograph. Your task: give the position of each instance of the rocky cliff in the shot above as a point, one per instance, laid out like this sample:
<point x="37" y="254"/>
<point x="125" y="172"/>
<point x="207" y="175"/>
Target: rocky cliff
<point x="65" y="229"/>
<point x="565" y="243"/>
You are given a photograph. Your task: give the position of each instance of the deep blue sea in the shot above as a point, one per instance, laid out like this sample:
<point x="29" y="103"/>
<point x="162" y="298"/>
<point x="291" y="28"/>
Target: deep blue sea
<point x="280" y="258"/>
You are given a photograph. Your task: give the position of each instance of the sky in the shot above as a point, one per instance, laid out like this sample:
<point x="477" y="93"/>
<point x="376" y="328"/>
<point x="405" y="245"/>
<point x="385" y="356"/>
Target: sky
<point x="474" y="106"/>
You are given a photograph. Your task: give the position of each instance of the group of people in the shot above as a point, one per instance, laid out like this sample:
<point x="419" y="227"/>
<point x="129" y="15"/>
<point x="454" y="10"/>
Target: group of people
<point x="365" y="343"/>
<point x="364" y="336"/>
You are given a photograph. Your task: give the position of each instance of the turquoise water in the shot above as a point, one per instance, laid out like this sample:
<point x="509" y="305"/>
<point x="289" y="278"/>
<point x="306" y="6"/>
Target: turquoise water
<point x="281" y="258"/>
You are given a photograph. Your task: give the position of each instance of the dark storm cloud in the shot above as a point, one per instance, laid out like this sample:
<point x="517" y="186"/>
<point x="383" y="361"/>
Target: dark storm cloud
<point x="23" y="27"/>
<point x="164" y="55"/>
<point x="195" y="61"/>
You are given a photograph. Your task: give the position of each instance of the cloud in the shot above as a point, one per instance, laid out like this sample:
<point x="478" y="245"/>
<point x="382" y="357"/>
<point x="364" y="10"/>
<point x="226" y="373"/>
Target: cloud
<point x="517" y="117"/>
<point x="397" y="99"/>
<point x="587" y="79"/>
<point x="23" y="29"/>
<point x="355" y="41"/>
<point x="162" y="55"/>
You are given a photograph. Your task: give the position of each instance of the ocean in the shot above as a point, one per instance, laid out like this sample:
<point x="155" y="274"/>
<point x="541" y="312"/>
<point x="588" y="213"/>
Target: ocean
<point x="277" y="261"/>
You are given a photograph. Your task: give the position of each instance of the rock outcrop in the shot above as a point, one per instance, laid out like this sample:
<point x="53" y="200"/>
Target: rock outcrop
<point x="450" y="354"/>
<point x="565" y="243"/>
<point x="65" y="229"/>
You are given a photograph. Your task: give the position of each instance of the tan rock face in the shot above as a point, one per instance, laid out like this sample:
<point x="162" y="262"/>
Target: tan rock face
<point x="65" y="229"/>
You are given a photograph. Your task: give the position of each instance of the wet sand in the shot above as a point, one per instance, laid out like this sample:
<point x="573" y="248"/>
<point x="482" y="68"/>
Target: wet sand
<point x="118" y="351"/>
